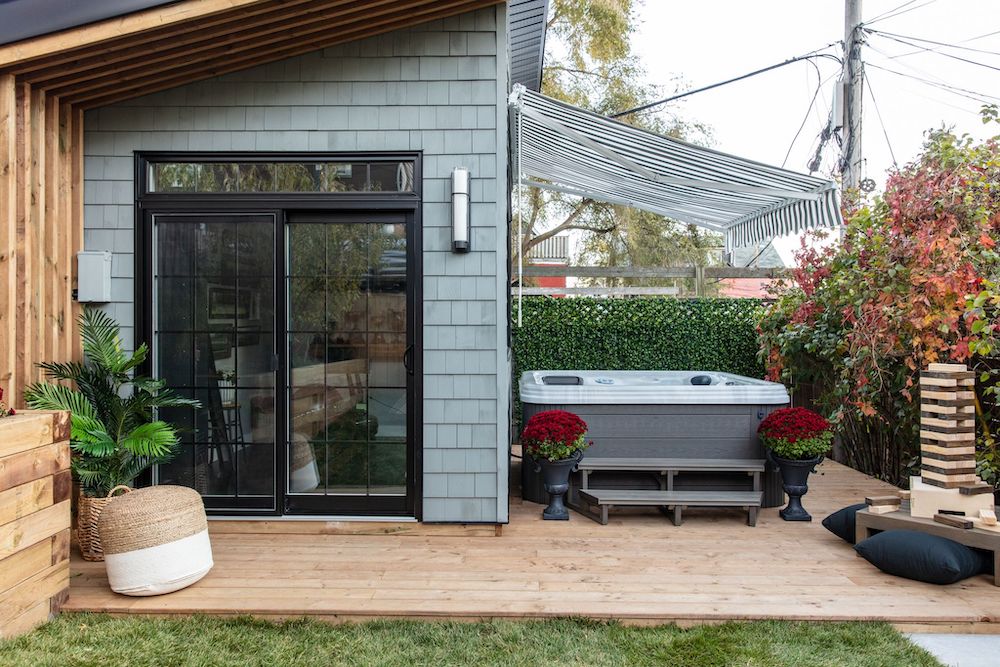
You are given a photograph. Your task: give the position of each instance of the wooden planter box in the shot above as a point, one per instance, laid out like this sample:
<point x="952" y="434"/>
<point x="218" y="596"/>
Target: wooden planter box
<point x="35" y="489"/>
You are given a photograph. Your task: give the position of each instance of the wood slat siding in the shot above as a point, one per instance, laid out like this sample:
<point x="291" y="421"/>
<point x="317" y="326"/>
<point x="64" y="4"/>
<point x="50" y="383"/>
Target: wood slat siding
<point x="39" y="145"/>
<point x="35" y="487"/>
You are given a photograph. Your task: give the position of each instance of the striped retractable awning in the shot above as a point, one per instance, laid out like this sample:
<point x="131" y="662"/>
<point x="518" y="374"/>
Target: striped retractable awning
<point x="566" y="149"/>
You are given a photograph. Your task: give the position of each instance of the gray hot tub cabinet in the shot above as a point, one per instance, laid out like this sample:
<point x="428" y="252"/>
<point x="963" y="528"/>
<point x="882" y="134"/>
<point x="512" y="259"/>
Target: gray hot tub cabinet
<point x="686" y="421"/>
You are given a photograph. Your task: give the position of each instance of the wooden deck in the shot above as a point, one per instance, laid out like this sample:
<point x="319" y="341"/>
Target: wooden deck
<point x="639" y="569"/>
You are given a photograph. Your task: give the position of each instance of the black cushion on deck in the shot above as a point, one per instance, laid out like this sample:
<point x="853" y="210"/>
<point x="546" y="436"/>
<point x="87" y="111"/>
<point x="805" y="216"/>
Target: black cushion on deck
<point x="842" y="522"/>
<point x="922" y="557"/>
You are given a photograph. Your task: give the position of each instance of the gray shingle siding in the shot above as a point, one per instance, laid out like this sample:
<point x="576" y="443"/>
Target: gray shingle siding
<point x="435" y="88"/>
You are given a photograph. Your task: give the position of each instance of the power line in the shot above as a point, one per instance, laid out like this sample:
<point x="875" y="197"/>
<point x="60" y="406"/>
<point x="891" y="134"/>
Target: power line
<point x="885" y="132"/>
<point x="807" y="56"/>
<point x="891" y="35"/>
<point x="883" y="14"/>
<point x="954" y="90"/>
<point x="940" y="53"/>
<point x="890" y="15"/>
<point x="805" y="119"/>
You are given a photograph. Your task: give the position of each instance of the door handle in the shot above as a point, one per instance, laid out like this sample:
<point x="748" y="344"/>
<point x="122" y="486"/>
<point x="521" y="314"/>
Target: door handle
<point x="408" y="359"/>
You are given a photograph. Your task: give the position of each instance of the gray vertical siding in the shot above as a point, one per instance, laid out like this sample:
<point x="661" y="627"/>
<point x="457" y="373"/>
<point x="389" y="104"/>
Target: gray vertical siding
<point x="439" y="88"/>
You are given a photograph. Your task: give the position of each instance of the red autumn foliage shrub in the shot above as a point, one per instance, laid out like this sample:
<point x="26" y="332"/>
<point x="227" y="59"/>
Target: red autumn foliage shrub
<point x="554" y="435"/>
<point x="860" y="319"/>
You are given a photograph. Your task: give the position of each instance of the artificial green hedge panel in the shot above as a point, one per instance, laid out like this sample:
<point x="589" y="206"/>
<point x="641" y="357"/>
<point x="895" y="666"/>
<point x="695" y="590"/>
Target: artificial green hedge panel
<point x="637" y="334"/>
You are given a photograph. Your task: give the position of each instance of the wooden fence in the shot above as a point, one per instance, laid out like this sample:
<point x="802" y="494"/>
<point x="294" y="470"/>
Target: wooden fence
<point x="701" y="275"/>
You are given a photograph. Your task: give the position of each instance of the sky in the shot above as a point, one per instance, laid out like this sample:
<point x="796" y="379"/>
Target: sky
<point x="712" y="40"/>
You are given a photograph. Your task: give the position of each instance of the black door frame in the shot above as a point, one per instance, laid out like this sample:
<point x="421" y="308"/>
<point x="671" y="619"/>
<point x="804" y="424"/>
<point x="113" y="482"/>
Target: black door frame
<point x="280" y="204"/>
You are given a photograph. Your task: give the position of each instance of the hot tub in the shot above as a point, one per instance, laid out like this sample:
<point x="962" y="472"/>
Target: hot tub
<point x="659" y="414"/>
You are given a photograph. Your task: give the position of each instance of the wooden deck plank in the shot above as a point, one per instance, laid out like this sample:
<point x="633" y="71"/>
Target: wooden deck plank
<point x="638" y="569"/>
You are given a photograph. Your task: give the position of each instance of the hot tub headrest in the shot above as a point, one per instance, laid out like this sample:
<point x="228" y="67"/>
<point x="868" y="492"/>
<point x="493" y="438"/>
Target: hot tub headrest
<point x="562" y="379"/>
<point x="701" y="380"/>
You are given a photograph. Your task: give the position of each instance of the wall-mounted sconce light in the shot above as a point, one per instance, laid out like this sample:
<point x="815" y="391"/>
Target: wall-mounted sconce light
<point x="460" y="210"/>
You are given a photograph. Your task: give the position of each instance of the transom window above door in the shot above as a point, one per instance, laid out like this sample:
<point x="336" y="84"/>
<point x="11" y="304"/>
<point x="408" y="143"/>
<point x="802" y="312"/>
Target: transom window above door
<point x="270" y="177"/>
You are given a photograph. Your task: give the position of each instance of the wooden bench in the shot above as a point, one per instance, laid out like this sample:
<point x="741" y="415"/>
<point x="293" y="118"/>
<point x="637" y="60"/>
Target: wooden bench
<point x="866" y="524"/>
<point x="604" y="499"/>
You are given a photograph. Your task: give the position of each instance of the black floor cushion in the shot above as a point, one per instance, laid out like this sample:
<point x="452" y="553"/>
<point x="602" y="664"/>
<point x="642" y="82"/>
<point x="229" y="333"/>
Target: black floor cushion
<point x="929" y="558"/>
<point x="842" y="522"/>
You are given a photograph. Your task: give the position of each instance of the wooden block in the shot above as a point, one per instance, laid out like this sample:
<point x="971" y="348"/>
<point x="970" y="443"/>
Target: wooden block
<point x="967" y="439"/>
<point x="27" y="621"/>
<point x="948" y="455"/>
<point x="882" y="500"/>
<point x="963" y="465"/>
<point x="33" y="528"/>
<point x="945" y="382"/>
<point x="936" y="407"/>
<point x="25" y="499"/>
<point x="33" y="464"/>
<point x="989" y="517"/>
<point x="948" y="396"/>
<point x="904" y="494"/>
<point x="946" y="451"/>
<point x="962" y="472"/>
<point x="25" y="430"/>
<point x="926" y="500"/>
<point x="954" y="428"/>
<point x="946" y="368"/>
<point x="62" y="486"/>
<point x="24" y="564"/>
<point x="945" y="421"/>
<point x="883" y="509"/>
<point x="975" y="489"/>
<point x="948" y="375"/>
<point x="952" y="520"/>
<point x="982" y="525"/>
<point x="42" y="586"/>
<point x="947" y="481"/>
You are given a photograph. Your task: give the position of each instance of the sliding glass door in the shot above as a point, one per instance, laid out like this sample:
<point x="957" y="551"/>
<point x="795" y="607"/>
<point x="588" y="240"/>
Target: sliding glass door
<point x="213" y="339"/>
<point x="295" y="332"/>
<point x="348" y="351"/>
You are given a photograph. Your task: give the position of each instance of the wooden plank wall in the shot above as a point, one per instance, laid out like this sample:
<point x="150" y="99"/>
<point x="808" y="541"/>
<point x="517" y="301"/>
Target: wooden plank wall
<point x="35" y="489"/>
<point x="41" y="229"/>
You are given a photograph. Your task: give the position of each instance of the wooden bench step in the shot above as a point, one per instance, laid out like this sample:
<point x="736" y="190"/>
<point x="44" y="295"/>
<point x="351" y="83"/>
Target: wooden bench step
<point x="607" y="498"/>
<point x="671" y="464"/>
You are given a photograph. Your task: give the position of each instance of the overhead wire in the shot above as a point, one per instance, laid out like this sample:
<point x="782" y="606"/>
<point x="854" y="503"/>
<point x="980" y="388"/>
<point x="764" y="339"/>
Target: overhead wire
<point x="954" y="90"/>
<point x="885" y="132"/>
<point x="929" y="50"/>
<point x="883" y="14"/>
<point x="899" y="13"/>
<point x="806" y="56"/>
<point x="805" y="119"/>
<point x="892" y="35"/>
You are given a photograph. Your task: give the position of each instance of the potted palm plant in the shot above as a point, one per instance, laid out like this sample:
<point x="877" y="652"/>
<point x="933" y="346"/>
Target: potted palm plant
<point x="113" y="434"/>
<point x="554" y="441"/>
<point x="797" y="439"/>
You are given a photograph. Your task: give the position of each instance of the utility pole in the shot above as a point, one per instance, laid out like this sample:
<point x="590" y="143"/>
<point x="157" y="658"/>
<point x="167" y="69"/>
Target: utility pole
<point x="852" y="81"/>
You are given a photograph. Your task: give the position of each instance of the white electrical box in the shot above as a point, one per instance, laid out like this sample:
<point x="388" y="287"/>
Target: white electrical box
<point x="93" y="276"/>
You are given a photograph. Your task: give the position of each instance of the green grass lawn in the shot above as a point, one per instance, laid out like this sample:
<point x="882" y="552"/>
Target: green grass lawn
<point x="85" y="639"/>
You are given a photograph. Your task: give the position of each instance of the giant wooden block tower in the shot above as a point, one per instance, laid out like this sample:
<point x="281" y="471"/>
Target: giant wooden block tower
<point x="948" y="480"/>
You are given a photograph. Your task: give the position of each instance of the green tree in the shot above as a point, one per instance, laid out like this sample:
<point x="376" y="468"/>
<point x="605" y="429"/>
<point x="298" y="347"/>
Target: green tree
<point x="589" y="63"/>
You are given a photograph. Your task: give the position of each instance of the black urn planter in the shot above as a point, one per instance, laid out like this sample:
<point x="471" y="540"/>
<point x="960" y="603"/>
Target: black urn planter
<point x="555" y="475"/>
<point x="794" y="479"/>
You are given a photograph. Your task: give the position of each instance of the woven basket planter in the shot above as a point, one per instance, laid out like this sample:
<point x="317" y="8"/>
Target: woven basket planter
<point x="88" y="514"/>
<point x="155" y="540"/>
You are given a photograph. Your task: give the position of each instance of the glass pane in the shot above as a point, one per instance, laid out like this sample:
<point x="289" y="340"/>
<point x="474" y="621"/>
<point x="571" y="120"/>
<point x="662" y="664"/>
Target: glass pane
<point x="391" y="177"/>
<point x="307" y="304"/>
<point x="255" y="177"/>
<point x="297" y="177"/>
<point x="388" y="414"/>
<point x="264" y="177"/>
<point x="385" y="358"/>
<point x="306" y="250"/>
<point x="347" y="468"/>
<point x="387" y="468"/>
<point x="214" y="338"/>
<point x="306" y="466"/>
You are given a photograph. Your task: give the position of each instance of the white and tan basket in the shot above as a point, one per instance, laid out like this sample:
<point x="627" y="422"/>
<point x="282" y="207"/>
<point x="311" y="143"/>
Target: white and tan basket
<point x="155" y="540"/>
<point x="88" y="513"/>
